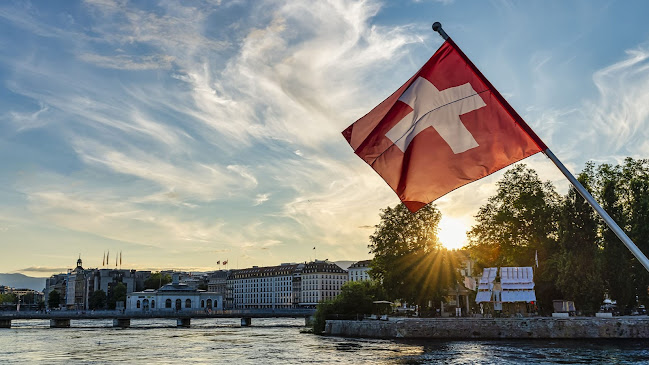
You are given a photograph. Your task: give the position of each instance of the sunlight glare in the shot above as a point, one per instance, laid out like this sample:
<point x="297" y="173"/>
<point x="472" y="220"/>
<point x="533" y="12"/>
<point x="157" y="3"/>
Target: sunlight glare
<point x="452" y="232"/>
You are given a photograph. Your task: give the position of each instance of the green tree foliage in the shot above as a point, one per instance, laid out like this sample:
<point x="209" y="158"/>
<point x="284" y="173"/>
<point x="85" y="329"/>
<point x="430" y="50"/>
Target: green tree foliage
<point x="156" y="280"/>
<point x="408" y="258"/>
<point x="54" y="299"/>
<point x="118" y="294"/>
<point x="356" y="299"/>
<point x="579" y="264"/>
<point x="635" y="178"/>
<point x="515" y="224"/>
<point x="98" y="300"/>
<point x="615" y="256"/>
<point x="8" y="298"/>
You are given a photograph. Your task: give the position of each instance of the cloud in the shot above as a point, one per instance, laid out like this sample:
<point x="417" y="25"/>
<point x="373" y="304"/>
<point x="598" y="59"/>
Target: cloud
<point x="261" y="198"/>
<point x="30" y="120"/>
<point x="621" y="114"/>
<point x="45" y="269"/>
<point x="128" y="62"/>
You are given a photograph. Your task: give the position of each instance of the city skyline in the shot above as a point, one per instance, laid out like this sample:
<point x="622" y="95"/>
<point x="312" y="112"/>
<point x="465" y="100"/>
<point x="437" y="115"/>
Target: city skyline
<point x="184" y="135"/>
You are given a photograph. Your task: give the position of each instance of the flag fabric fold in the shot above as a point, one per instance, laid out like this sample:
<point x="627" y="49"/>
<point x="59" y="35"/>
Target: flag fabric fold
<point x="445" y="127"/>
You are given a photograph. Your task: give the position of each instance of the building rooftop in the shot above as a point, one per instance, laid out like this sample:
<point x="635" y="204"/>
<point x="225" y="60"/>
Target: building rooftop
<point x="364" y="263"/>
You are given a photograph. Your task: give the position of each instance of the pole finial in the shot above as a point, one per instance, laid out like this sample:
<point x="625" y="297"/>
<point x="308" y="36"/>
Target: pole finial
<point x="437" y="27"/>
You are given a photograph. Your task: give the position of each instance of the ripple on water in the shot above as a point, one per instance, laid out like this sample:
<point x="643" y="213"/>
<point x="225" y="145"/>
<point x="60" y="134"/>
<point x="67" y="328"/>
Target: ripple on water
<point x="279" y="341"/>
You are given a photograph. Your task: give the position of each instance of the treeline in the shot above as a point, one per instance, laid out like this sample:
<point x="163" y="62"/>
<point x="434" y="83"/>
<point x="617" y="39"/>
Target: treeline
<point x="579" y="257"/>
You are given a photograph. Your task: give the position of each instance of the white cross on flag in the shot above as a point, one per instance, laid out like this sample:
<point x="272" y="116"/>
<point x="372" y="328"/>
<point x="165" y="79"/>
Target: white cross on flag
<point x="444" y="128"/>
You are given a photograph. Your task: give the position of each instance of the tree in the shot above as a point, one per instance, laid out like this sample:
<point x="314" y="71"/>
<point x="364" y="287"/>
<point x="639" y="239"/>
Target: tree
<point x="156" y="280"/>
<point x="518" y="223"/>
<point x="118" y="294"/>
<point x="409" y="261"/>
<point x="54" y="299"/>
<point x="356" y="298"/>
<point x="635" y="176"/>
<point x="8" y="298"/>
<point x="97" y="300"/>
<point x="617" y="260"/>
<point x="579" y="263"/>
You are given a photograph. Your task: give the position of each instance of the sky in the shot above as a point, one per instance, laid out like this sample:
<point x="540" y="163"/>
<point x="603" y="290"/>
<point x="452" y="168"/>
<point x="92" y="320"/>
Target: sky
<point x="186" y="133"/>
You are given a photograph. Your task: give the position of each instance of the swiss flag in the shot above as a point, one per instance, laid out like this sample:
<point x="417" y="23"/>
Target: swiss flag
<point x="444" y="128"/>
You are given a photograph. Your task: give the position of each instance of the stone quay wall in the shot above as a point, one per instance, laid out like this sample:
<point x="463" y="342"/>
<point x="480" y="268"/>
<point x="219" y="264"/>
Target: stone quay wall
<point x="492" y="328"/>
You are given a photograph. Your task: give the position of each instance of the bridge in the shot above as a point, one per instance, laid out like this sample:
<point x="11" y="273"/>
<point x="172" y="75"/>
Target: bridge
<point x="62" y="318"/>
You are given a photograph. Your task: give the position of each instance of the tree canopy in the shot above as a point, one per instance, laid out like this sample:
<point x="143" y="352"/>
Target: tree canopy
<point x="98" y="300"/>
<point x="409" y="261"/>
<point x="580" y="258"/>
<point x="356" y="299"/>
<point x="579" y="262"/>
<point x="518" y="224"/>
<point x="118" y="294"/>
<point x="54" y="299"/>
<point x="156" y="280"/>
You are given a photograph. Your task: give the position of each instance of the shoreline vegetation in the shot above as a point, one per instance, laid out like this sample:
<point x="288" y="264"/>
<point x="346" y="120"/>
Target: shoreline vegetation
<point x="526" y="223"/>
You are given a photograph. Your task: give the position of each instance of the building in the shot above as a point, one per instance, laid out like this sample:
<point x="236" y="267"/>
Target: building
<point x="511" y="292"/>
<point x="218" y="283"/>
<point x="55" y="282"/>
<point x="359" y="271"/>
<point x="264" y="287"/>
<point x="320" y="280"/>
<point x="77" y="292"/>
<point x="78" y="284"/>
<point x="175" y="296"/>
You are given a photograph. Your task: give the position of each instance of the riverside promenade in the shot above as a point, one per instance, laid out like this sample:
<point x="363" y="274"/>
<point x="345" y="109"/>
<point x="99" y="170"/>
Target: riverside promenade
<point x="61" y="319"/>
<point x="493" y="328"/>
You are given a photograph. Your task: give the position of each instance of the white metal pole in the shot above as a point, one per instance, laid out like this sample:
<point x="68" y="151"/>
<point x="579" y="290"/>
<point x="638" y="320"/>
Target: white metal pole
<point x="602" y="213"/>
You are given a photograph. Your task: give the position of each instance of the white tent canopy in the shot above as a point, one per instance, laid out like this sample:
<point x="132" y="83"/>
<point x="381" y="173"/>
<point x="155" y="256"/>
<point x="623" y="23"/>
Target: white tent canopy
<point x="516" y="285"/>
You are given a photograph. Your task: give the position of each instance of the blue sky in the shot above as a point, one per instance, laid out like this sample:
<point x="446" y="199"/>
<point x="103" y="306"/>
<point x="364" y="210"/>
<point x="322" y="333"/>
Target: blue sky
<point x="182" y="133"/>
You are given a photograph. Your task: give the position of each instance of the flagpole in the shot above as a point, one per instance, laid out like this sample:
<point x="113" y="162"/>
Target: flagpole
<point x="437" y="27"/>
<point x="602" y="213"/>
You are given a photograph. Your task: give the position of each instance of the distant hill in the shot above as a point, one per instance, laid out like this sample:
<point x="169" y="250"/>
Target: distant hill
<point x="20" y="281"/>
<point x="344" y="264"/>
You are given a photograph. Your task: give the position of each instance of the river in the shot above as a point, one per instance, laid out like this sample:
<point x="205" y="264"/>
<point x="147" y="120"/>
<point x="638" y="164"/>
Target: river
<point x="280" y="341"/>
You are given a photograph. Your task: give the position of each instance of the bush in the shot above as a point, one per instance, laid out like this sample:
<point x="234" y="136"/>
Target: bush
<point x="355" y="300"/>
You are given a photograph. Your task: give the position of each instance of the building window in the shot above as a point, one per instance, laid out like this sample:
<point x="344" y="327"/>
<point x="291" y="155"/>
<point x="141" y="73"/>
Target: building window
<point x="179" y="304"/>
<point x="209" y="303"/>
<point x="137" y="305"/>
<point x="202" y="304"/>
<point x="153" y="304"/>
<point x="168" y="303"/>
<point x="188" y="303"/>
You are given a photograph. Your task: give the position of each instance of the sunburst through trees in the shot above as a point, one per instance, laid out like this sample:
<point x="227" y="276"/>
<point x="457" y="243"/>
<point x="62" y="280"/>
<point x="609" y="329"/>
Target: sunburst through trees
<point x="409" y="259"/>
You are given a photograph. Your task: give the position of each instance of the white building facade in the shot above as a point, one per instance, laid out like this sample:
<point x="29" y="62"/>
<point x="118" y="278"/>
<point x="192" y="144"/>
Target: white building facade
<point x="359" y="271"/>
<point x="263" y="287"/>
<point x="320" y="280"/>
<point x="174" y="297"/>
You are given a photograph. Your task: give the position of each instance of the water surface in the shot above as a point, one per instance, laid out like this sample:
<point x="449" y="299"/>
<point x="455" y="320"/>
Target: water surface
<point x="281" y="341"/>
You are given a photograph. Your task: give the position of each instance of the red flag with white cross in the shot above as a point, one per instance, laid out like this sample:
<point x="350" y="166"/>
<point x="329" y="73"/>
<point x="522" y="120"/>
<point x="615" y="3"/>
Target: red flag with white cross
<point x="444" y="128"/>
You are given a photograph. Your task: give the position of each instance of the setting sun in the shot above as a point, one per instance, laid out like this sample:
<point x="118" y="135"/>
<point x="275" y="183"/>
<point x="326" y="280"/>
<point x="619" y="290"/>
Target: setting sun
<point x="452" y="232"/>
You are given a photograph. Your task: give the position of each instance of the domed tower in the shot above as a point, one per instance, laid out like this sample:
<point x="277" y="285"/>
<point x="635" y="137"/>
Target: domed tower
<point x="79" y="262"/>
